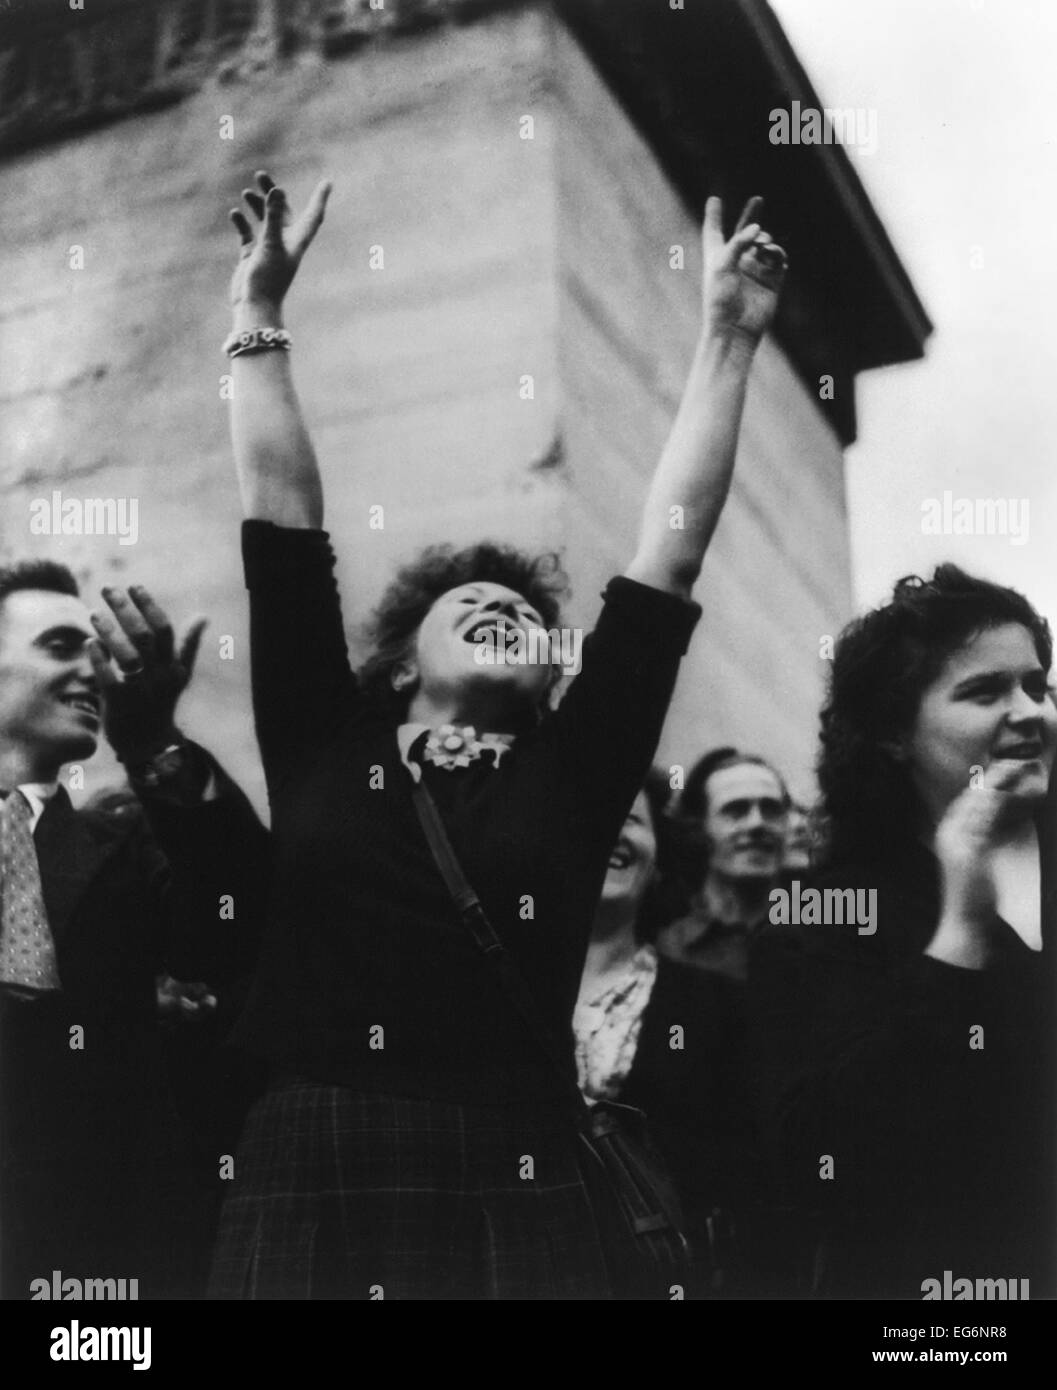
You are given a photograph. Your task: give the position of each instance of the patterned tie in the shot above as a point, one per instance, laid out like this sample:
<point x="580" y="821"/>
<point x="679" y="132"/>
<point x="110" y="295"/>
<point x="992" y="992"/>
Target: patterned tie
<point x="27" y="951"/>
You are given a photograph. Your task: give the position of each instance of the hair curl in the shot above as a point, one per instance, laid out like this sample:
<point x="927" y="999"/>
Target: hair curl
<point x="394" y="626"/>
<point x="665" y="897"/>
<point x="882" y="665"/>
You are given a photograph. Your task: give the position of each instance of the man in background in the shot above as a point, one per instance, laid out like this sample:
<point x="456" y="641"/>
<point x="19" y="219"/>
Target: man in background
<point x="734" y="814"/>
<point x="731" y="821"/>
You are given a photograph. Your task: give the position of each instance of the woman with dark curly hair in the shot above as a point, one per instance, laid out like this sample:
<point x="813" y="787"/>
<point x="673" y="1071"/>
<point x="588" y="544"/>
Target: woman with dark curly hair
<point x="911" y="1046"/>
<point x="413" y="1141"/>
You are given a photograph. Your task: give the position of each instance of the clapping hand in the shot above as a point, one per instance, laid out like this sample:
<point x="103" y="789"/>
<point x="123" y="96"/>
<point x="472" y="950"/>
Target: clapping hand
<point x="181" y="1002"/>
<point x="140" y="671"/>
<point x="966" y="838"/>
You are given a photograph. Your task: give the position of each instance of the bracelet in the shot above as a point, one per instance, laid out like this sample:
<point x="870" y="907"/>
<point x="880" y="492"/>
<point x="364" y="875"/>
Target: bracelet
<point x="157" y="769"/>
<point x="258" y="340"/>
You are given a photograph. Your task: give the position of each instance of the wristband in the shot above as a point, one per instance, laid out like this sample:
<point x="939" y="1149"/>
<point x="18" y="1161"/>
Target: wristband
<point x="163" y="766"/>
<point x="258" y="340"/>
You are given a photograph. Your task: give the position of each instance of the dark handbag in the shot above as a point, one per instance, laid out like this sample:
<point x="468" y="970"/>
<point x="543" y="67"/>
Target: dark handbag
<point x="635" y="1203"/>
<point x="640" y="1220"/>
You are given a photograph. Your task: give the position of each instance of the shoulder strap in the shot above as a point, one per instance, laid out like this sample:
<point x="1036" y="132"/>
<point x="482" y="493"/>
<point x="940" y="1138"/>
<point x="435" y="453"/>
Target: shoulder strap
<point x="476" y="921"/>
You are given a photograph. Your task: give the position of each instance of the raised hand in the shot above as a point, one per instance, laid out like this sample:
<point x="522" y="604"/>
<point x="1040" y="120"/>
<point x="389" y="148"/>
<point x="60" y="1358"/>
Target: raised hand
<point x="742" y="276"/>
<point x="966" y="839"/>
<point x="270" y="256"/>
<point x="140" y="671"/>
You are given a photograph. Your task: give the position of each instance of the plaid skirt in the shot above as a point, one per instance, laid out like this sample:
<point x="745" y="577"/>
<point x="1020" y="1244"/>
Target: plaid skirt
<point x="341" y="1194"/>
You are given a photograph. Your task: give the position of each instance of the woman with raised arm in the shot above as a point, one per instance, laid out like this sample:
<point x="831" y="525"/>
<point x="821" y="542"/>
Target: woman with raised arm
<point x="412" y="1142"/>
<point x="910" y="1043"/>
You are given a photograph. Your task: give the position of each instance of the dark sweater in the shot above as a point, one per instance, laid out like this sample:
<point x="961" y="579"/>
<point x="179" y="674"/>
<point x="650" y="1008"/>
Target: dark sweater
<point x="943" y="1153"/>
<point x="699" y="1097"/>
<point x="363" y="933"/>
<point x="92" y="1160"/>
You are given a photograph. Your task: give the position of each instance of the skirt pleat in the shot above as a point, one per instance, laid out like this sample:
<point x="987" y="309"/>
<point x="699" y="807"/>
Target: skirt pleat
<point x="341" y="1194"/>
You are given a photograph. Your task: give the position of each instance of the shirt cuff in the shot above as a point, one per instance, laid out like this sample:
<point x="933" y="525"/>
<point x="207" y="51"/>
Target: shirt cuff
<point x="659" y="618"/>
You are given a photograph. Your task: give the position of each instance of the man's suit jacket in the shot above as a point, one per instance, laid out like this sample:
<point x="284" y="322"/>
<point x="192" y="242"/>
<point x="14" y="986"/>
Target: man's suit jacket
<point x="93" y="1160"/>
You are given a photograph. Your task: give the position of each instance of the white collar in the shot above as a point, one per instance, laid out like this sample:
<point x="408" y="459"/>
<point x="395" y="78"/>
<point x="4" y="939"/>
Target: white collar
<point x="405" y="737"/>
<point x="38" y="794"/>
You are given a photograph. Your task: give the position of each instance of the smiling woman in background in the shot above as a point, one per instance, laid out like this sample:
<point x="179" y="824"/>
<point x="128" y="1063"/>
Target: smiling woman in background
<point x="911" y="1072"/>
<point x="670" y="1038"/>
<point x="390" y="1149"/>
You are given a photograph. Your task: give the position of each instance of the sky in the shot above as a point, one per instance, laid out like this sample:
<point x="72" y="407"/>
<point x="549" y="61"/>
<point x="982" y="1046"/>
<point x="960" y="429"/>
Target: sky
<point x="964" y="177"/>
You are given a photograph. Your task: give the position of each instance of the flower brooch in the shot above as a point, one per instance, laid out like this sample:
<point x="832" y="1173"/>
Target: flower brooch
<point x="452" y="746"/>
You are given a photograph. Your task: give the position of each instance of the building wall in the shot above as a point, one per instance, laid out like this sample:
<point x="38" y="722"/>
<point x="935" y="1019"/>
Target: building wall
<point x="777" y="576"/>
<point x="503" y="257"/>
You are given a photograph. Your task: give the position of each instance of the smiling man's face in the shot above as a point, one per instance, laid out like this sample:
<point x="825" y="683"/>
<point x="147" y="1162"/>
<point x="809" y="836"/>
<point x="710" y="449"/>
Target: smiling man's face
<point x="49" y="701"/>
<point x="745" y="822"/>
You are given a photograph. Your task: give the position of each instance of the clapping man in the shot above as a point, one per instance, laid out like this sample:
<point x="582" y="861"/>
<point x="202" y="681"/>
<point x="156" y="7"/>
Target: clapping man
<point x="91" y="912"/>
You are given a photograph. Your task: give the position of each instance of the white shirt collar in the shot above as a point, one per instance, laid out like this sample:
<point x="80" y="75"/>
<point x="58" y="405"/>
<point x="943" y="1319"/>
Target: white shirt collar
<point x="405" y="737"/>
<point x="38" y="794"/>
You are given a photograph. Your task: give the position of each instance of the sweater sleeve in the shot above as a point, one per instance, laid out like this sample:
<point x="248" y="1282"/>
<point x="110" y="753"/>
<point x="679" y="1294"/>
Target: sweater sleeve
<point x="606" y="730"/>
<point x="303" y="685"/>
<point x="216" y="849"/>
<point x="869" y="1063"/>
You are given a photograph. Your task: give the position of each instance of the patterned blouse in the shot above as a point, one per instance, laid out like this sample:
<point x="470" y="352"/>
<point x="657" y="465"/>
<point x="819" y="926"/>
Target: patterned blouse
<point x="607" y="1027"/>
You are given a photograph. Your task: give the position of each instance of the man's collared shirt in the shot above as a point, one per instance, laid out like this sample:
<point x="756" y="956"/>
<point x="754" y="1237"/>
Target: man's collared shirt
<point x="38" y="794"/>
<point x="706" y="942"/>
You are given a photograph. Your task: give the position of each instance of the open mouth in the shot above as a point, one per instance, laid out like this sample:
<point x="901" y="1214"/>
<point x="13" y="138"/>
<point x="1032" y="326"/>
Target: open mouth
<point x="497" y="629"/>
<point x="620" y="858"/>
<point x="1021" y="752"/>
<point x="82" y="702"/>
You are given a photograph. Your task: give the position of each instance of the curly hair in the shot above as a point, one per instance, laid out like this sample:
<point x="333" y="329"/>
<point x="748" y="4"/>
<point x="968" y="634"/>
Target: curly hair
<point x="394" y="626"/>
<point x="882" y="665"/>
<point x="665" y="897"/>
